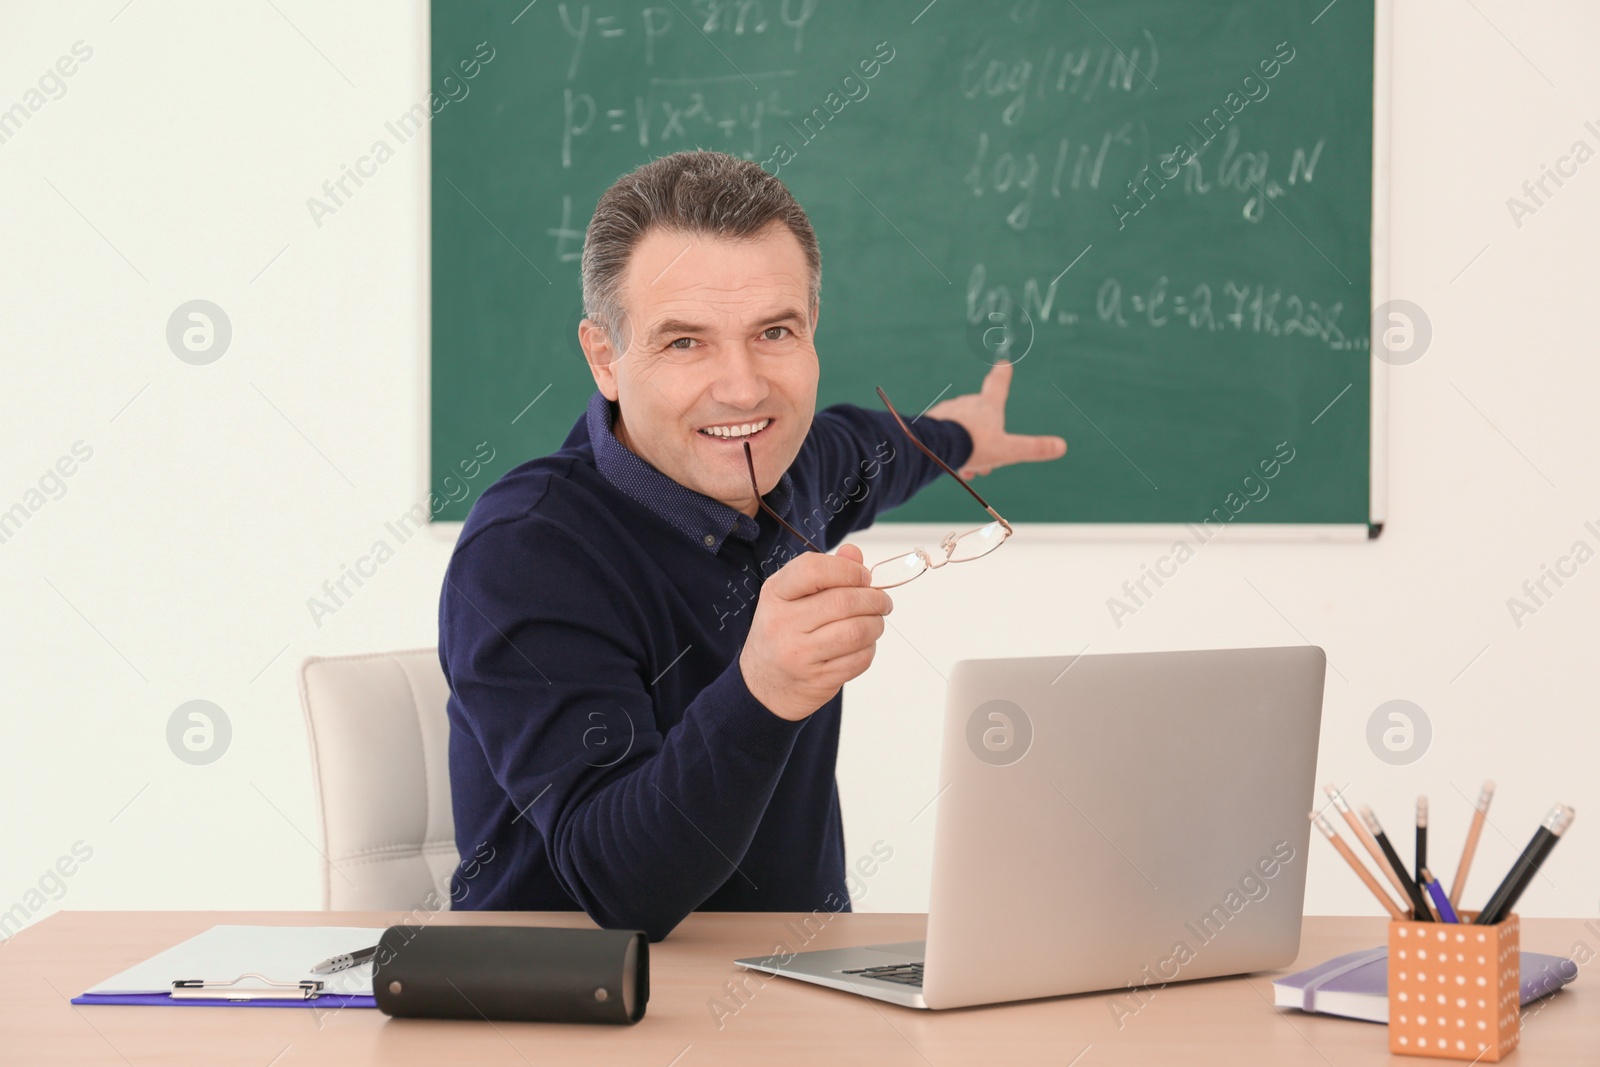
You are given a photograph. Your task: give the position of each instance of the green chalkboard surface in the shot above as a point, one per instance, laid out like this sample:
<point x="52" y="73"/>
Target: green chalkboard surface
<point x="1160" y="210"/>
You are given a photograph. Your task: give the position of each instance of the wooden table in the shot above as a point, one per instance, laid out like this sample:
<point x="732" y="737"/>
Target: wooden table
<point x="1226" y="1021"/>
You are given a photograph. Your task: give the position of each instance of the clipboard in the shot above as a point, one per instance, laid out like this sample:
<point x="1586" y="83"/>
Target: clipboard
<point x="247" y="966"/>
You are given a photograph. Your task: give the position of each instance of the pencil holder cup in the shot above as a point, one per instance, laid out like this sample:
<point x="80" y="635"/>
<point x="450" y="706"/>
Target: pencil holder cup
<point x="1455" y="989"/>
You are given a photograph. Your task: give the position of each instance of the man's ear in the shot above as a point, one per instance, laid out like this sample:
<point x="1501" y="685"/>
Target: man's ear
<point x="816" y="313"/>
<point x="602" y="356"/>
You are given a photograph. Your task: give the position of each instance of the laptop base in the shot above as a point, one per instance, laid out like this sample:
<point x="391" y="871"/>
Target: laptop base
<point x="831" y="967"/>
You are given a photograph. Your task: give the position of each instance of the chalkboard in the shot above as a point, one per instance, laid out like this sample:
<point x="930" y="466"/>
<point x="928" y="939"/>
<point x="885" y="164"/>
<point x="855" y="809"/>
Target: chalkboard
<point x="1160" y="210"/>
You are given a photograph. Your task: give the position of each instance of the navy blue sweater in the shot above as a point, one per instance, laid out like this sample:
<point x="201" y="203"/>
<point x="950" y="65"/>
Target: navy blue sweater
<point x="605" y="753"/>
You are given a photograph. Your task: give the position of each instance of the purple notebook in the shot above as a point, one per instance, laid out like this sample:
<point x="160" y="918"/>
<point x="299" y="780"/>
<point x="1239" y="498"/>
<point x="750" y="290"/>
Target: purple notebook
<point x="1356" y="985"/>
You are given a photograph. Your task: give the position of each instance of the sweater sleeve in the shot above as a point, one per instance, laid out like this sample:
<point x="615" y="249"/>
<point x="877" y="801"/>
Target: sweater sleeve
<point x="861" y="464"/>
<point x="641" y="823"/>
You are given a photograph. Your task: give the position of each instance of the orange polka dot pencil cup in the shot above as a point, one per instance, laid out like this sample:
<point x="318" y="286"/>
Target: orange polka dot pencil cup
<point x="1455" y="989"/>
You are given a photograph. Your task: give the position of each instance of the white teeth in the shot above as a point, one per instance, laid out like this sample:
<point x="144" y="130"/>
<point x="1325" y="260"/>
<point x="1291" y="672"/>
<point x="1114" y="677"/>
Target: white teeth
<point x="744" y="430"/>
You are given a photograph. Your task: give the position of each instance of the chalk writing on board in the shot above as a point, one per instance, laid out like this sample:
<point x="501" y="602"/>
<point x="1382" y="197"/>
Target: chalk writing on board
<point x="1074" y="73"/>
<point x="1199" y="136"/>
<point x="1078" y="164"/>
<point x="993" y="306"/>
<point x="587" y="28"/>
<point x="1243" y="306"/>
<point x="738" y="18"/>
<point x="654" y="23"/>
<point x="1086" y="164"/>
<point x="682" y="112"/>
<point x="1260" y="308"/>
<point x="568" y="238"/>
<point x="1237" y="168"/>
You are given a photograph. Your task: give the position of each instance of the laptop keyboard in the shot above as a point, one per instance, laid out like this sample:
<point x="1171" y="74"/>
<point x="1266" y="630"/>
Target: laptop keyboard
<point x="904" y="973"/>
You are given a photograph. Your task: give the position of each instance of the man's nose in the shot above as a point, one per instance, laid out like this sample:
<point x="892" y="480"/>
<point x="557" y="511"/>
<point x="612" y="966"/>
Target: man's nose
<point x="740" y="383"/>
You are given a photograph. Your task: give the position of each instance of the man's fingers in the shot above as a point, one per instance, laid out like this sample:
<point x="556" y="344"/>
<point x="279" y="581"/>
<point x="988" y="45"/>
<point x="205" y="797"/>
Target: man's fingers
<point x="852" y="665"/>
<point x="831" y="605"/>
<point x="997" y="384"/>
<point x="812" y="572"/>
<point x="1027" y="449"/>
<point x="846" y="637"/>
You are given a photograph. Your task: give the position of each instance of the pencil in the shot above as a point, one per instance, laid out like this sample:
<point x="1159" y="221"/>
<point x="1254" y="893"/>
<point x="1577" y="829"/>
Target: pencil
<point x="1421" y="859"/>
<point x="1350" y="857"/>
<point x="1479" y="814"/>
<point x="1367" y="842"/>
<point x="1420" y="910"/>
<point x="1544" y="842"/>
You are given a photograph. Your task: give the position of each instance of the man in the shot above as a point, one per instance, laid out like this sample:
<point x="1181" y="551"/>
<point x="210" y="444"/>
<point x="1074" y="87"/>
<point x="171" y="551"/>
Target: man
<point x="644" y="667"/>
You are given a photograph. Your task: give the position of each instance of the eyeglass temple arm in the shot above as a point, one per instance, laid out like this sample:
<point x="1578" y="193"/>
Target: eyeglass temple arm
<point x="942" y="464"/>
<point x="756" y="487"/>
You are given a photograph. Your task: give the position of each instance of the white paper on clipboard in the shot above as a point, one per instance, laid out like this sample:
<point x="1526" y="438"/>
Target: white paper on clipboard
<point x="280" y="953"/>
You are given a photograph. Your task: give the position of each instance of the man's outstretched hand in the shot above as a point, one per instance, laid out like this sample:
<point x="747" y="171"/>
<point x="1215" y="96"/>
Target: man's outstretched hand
<point x="983" y="416"/>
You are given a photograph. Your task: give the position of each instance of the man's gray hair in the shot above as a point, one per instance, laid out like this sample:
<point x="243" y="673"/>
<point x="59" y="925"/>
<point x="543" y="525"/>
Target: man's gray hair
<point x="693" y="193"/>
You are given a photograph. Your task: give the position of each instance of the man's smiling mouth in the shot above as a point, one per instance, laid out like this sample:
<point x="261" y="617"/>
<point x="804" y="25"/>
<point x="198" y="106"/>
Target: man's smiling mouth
<point x="737" y="431"/>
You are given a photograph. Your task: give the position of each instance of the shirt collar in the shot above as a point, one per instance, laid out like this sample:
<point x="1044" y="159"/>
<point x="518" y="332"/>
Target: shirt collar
<point x="704" y="521"/>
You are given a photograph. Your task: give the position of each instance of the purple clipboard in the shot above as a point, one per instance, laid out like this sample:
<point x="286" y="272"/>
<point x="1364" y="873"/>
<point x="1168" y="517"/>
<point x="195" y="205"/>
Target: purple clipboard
<point x="244" y="952"/>
<point x="327" y="1000"/>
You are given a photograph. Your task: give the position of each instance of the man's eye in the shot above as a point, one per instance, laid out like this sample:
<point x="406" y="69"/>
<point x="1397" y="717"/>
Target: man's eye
<point x="681" y="344"/>
<point x="775" y="333"/>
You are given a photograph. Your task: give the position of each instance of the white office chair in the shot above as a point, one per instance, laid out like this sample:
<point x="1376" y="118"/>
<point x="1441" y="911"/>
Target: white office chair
<point x="379" y="747"/>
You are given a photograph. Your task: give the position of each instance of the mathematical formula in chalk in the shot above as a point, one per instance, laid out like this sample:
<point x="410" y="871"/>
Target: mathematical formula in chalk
<point x="1240" y="306"/>
<point x="678" y="113"/>
<point x="645" y="32"/>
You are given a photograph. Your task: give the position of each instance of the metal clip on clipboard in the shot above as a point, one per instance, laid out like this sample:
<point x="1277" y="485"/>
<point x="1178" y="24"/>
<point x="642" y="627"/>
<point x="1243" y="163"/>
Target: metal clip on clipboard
<point x="199" y="989"/>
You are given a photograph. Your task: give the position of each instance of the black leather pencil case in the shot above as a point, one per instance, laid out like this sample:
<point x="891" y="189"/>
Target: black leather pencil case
<point x="514" y="973"/>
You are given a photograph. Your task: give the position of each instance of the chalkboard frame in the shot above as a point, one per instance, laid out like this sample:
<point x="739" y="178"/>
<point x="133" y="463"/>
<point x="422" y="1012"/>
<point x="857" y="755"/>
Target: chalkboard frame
<point x="892" y="531"/>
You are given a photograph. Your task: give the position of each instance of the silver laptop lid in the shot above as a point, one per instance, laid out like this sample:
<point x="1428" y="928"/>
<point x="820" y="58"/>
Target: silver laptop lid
<point x="1108" y="820"/>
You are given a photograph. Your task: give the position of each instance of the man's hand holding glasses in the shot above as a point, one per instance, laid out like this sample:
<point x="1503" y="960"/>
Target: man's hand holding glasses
<point x="818" y="619"/>
<point x="816" y="626"/>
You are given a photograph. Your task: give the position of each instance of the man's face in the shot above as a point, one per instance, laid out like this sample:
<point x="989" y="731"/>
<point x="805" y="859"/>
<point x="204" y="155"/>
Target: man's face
<point x="718" y="352"/>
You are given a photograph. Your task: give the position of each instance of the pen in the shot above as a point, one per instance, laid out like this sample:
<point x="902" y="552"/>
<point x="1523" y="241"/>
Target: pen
<point x="1482" y="811"/>
<point x="1367" y="842"/>
<point x="345" y="961"/>
<point x="1421" y="859"/>
<point x="1544" y="841"/>
<point x="1355" y="865"/>
<point x="1441" y="903"/>
<point x="1419" y="903"/>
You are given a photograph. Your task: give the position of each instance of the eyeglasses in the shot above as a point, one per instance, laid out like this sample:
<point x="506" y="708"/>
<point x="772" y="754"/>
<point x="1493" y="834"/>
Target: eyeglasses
<point x="898" y="570"/>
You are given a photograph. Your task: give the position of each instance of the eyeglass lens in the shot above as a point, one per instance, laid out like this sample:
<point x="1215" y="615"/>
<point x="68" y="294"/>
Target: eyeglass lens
<point x="898" y="570"/>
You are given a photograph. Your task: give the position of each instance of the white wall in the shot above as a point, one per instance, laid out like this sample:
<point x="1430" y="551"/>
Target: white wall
<point x="218" y="498"/>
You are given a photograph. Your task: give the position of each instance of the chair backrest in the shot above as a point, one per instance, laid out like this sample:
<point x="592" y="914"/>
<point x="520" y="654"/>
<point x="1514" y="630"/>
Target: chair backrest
<point x="379" y="764"/>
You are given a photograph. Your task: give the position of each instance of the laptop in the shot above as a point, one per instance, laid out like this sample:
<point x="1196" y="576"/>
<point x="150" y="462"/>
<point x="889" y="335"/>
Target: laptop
<point x="1114" y="821"/>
